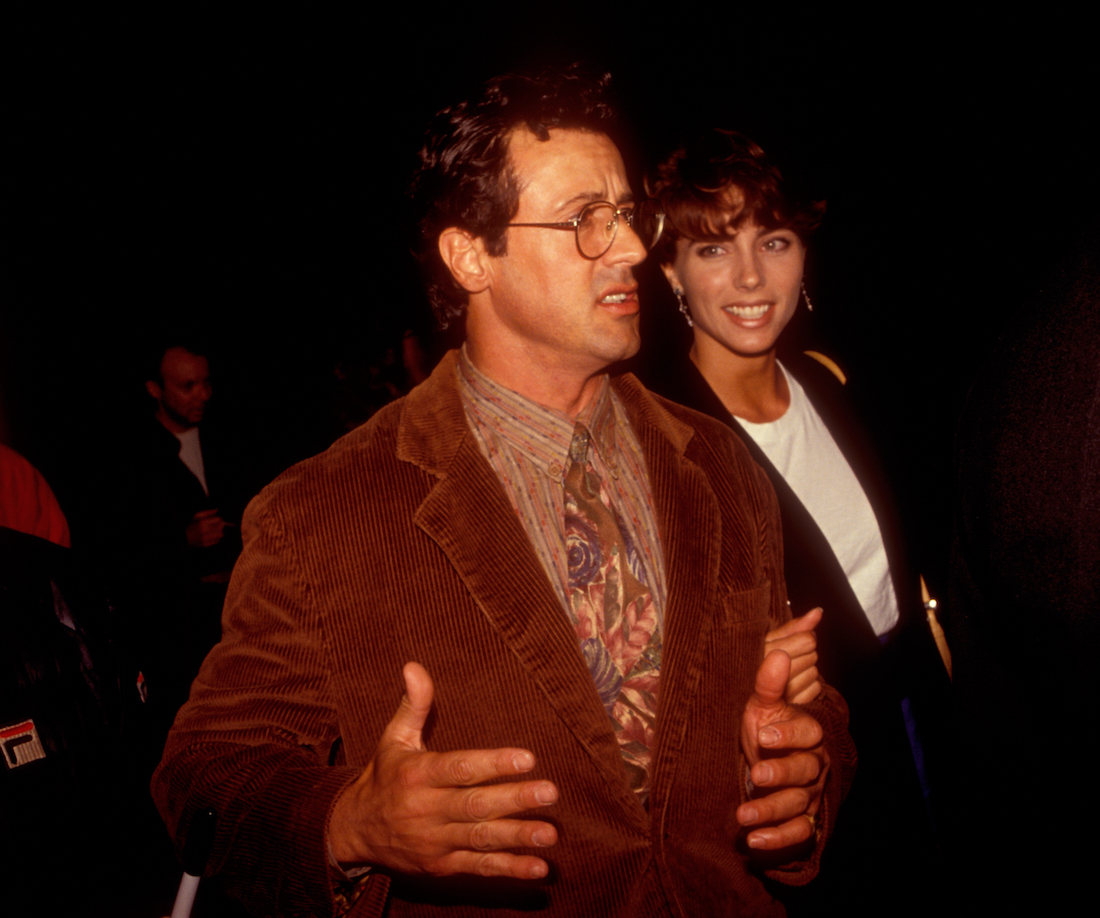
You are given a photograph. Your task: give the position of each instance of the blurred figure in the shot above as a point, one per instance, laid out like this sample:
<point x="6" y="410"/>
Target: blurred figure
<point x="173" y="533"/>
<point x="62" y="700"/>
<point x="26" y="502"/>
<point x="181" y="389"/>
<point x="372" y="372"/>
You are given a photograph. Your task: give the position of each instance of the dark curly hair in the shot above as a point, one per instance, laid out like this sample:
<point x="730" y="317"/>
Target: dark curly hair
<point x="465" y="179"/>
<point x="715" y="182"/>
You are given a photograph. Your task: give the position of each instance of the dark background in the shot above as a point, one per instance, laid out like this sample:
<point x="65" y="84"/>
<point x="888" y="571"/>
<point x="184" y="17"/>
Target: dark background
<point x="246" y="177"/>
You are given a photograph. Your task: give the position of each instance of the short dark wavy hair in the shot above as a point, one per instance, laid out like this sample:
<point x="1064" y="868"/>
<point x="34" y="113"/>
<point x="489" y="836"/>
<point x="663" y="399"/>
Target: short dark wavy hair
<point x="694" y="185"/>
<point x="465" y="179"/>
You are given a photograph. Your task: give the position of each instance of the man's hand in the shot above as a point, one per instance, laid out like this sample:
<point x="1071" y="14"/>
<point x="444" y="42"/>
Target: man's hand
<point x="797" y="638"/>
<point x="423" y="812"/>
<point x="787" y="761"/>
<point x="205" y="529"/>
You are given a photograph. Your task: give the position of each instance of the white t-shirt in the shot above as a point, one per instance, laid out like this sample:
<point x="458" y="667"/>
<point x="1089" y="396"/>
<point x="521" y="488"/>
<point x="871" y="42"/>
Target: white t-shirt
<point x="800" y="446"/>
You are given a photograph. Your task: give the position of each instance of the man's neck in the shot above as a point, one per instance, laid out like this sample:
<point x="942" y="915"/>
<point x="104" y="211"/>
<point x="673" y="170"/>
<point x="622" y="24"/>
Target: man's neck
<point x="560" y="388"/>
<point x="171" y="423"/>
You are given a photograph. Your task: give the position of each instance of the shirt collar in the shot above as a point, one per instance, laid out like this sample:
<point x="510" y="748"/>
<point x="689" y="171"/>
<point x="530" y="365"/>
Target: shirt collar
<point x="541" y="434"/>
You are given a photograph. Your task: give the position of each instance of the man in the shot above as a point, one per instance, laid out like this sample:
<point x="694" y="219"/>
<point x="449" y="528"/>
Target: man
<point x="181" y="388"/>
<point x="445" y="547"/>
<point x="173" y="544"/>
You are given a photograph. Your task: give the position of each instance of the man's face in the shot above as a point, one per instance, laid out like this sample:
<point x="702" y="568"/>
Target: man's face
<point x="561" y="311"/>
<point x="182" y="397"/>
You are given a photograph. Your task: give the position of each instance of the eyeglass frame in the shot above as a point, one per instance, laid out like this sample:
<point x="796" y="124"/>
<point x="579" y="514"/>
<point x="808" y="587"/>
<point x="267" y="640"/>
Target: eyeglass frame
<point x="574" y="224"/>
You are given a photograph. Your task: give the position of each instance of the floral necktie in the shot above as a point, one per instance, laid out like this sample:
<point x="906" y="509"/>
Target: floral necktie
<point x="613" y="611"/>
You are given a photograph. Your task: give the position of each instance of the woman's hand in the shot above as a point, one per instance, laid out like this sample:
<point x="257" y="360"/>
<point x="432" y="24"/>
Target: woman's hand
<point x="798" y="639"/>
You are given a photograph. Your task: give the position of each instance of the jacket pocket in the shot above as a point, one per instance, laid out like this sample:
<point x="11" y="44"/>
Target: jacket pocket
<point x="745" y="605"/>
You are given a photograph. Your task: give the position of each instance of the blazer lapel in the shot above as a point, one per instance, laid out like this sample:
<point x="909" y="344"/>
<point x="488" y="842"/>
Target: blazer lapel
<point x="690" y="528"/>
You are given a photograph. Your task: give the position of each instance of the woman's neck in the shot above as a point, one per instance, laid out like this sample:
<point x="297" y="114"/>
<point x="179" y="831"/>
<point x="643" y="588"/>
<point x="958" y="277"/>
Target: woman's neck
<point x="752" y="388"/>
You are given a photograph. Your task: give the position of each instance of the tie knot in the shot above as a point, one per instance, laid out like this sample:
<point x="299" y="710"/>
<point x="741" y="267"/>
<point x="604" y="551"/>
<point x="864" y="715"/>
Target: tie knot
<point x="578" y="446"/>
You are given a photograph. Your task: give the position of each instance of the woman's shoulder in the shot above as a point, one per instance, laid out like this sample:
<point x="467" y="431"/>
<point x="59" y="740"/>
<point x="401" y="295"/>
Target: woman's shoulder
<point x="815" y="370"/>
<point x="824" y="360"/>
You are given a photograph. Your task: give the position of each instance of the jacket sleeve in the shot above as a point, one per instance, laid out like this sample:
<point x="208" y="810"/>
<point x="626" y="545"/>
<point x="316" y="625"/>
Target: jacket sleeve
<point x="254" y="740"/>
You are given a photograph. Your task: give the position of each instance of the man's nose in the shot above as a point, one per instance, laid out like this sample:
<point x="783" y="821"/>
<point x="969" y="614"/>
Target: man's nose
<point x="627" y="246"/>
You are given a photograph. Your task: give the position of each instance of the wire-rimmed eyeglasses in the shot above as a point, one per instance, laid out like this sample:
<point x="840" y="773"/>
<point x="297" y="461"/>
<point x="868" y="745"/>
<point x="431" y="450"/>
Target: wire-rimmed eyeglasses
<point x="598" y="223"/>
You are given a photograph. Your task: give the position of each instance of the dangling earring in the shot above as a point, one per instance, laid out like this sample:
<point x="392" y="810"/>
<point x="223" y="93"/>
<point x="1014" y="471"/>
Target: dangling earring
<point x="809" y="305"/>
<point x="683" y="307"/>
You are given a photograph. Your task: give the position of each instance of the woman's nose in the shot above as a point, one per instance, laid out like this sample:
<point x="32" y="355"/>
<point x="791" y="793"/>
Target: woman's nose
<point x="749" y="274"/>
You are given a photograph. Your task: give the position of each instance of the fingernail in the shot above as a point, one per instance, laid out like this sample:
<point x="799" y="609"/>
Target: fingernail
<point x="546" y="794"/>
<point x="769" y="736"/>
<point x="764" y="774"/>
<point x="543" y="838"/>
<point x="749" y="815"/>
<point x="757" y="841"/>
<point x="538" y="871"/>
<point x="523" y="761"/>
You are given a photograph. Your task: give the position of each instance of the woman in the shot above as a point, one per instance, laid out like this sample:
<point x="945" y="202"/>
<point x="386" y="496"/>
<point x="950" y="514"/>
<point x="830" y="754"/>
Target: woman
<point x="733" y="250"/>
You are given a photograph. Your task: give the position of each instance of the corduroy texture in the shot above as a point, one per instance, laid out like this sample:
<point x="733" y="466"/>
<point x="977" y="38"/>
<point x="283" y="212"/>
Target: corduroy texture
<point x="398" y="544"/>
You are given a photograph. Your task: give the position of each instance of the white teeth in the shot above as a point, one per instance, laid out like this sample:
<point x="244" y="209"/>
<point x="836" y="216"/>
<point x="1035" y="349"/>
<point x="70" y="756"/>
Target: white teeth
<point x="748" y="312"/>
<point x="614" y="298"/>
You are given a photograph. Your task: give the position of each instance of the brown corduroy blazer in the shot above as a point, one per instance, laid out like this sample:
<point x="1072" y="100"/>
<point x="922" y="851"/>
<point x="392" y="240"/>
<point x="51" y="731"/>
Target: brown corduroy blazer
<point x="399" y="544"/>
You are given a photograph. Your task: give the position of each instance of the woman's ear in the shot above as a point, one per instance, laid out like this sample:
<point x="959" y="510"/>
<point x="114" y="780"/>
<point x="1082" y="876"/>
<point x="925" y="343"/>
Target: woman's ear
<point x="466" y="258"/>
<point x="673" y="280"/>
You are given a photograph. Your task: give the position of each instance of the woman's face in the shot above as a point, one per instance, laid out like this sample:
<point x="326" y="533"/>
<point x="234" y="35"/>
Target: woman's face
<point x="743" y="290"/>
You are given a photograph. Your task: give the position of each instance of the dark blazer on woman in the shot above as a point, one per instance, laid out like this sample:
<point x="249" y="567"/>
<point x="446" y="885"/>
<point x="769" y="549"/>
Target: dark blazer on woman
<point x="883" y="837"/>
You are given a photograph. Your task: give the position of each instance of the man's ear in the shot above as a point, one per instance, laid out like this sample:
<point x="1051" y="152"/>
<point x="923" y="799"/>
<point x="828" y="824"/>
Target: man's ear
<point x="153" y="389"/>
<point x="466" y="258"/>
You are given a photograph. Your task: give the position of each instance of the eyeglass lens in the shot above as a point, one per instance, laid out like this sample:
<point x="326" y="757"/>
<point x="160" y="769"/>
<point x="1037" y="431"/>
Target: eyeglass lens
<point x="598" y="225"/>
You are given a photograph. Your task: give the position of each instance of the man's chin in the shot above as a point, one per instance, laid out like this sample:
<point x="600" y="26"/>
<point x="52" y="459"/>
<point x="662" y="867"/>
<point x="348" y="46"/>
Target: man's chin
<point x="633" y="344"/>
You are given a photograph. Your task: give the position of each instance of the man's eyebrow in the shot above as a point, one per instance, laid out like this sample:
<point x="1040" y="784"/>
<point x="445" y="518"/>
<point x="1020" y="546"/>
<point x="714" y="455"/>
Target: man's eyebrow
<point x="588" y="197"/>
<point x="584" y="197"/>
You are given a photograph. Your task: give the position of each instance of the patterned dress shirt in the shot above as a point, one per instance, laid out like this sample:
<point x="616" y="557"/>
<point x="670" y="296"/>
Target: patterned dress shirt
<point x="528" y="447"/>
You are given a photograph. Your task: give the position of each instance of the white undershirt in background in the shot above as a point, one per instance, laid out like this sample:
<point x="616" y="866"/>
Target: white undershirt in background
<point x="191" y="454"/>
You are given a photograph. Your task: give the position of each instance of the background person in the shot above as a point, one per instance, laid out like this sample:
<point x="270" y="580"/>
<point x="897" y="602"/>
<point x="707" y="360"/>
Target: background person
<point x="169" y="535"/>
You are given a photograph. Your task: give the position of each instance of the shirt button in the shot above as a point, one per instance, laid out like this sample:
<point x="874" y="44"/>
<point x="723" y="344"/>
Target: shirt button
<point x="554" y="470"/>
